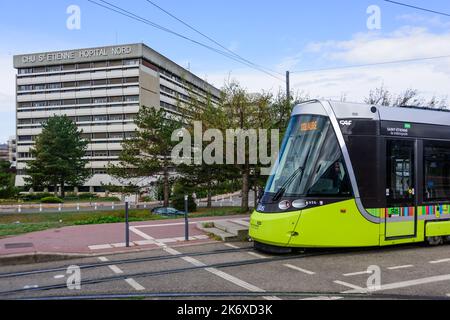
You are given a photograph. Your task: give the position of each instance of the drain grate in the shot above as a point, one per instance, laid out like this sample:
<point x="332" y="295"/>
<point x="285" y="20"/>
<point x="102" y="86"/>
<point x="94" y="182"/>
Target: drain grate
<point x="18" y="245"/>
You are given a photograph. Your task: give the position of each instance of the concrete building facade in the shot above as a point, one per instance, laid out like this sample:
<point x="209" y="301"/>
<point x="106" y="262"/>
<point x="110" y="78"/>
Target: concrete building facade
<point x="101" y="89"/>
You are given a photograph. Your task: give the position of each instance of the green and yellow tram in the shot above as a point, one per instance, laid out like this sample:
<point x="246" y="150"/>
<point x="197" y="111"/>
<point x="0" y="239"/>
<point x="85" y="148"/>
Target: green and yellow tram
<point x="353" y="175"/>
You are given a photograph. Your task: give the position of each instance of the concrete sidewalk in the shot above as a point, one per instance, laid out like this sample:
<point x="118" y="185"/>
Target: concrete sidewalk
<point x="104" y="239"/>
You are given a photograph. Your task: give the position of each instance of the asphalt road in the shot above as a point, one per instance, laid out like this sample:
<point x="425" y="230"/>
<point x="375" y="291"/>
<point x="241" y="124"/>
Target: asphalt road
<point x="409" y="271"/>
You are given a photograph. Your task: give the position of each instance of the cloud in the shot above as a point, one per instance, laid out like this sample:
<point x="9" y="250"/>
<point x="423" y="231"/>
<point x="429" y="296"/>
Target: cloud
<point x="430" y="78"/>
<point x="428" y="21"/>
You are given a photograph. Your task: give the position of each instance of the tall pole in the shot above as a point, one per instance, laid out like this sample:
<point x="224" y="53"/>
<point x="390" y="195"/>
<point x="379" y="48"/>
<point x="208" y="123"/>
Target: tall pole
<point x="288" y="87"/>
<point x="127" y="224"/>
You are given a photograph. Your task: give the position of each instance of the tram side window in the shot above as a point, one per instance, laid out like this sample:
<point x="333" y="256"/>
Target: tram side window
<point x="437" y="171"/>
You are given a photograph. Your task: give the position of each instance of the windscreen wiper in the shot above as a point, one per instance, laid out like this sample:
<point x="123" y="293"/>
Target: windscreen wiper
<point x="288" y="182"/>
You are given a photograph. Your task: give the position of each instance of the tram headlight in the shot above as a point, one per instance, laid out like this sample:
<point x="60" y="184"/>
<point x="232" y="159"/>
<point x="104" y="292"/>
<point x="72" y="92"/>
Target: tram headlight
<point x="299" y="204"/>
<point x="284" y="205"/>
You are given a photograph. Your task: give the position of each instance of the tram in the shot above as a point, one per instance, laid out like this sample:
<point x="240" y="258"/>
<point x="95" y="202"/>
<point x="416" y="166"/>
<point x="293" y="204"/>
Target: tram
<point x="354" y="175"/>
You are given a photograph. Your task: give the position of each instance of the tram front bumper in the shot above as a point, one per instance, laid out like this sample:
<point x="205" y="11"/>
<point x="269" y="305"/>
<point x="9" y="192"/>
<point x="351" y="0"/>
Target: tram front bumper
<point x="275" y="229"/>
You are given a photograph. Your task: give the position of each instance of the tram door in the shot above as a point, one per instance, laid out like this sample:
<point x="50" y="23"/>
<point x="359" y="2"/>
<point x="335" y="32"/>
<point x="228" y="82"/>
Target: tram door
<point x="401" y="189"/>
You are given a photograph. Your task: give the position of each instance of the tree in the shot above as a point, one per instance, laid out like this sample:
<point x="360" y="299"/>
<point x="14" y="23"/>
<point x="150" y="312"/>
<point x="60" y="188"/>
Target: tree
<point x="409" y="97"/>
<point x="148" y="153"/>
<point x="7" y="189"/>
<point x="59" y="156"/>
<point x="209" y="177"/>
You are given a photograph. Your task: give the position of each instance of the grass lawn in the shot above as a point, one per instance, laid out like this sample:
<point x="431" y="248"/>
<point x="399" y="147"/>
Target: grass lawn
<point x="16" y="224"/>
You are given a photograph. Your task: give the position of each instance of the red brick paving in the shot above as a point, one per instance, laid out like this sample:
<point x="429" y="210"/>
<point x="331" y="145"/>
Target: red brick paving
<point x="77" y="239"/>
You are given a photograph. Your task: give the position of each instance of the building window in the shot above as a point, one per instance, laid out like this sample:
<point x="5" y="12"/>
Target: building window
<point x="115" y="99"/>
<point x="25" y="138"/>
<point x="53" y="103"/>
<point x="131" y="98"/>
<point x="100" y="100"/>
<point x="102" y="82"/>
<point x="116" y="117"/>
<point x="39" y="70"/>
<point x="99" y="171"/>
<point x="131" y="80"/>
<point x="54" y="69"/>
<point x="69" y="84"/>
<point x="85" y="119"/>
<point x="130" y="62"/>
<point x="68" y="67"/>
<point x="84" y="83"/>
<point x="102" y="64"/>
<point x="114" y="153"/>
<point x="98" y="136"/>
<point x="85" y="101"/>
<point x="116" y="135"/>
<point x="69" y="102"/>
<point x="115" y="81"/>
<point x="25" y="88"/>
<point x="101" y="118"/>
<point x="39" y="87"/>
<point x="83" y="66"/>
<point x="115" y="63"/>
<point x="39" y="104"/>
<point x="86" y="136"/>
<point x="99" y="154"/>
<point x="26" y="71"/>
<point x="437" y="171"/>
<point x="54" y="85"/>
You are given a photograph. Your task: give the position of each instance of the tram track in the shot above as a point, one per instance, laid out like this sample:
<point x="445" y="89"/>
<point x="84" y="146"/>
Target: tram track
<point x="121" y="262"/>
<point x="223" y="295"/>
<point x="173" y="271"/>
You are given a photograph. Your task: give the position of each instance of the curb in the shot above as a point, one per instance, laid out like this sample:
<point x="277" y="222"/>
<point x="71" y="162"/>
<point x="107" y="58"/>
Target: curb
<point x="38" y="257"/>
<point x="42" y="257"/>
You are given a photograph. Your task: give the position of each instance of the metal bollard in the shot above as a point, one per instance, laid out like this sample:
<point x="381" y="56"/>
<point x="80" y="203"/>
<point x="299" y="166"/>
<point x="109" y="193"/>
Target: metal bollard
<point x="186" y="218"/>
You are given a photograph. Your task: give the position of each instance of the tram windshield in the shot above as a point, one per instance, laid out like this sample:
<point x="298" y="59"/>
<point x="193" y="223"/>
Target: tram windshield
<point x="311" y="162"/>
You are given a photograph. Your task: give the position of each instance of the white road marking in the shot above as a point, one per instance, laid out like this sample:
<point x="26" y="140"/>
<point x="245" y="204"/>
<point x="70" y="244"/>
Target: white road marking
<point x="144" y="242"/>
<point x="100" y="247"/>
<point x="136" y="286"/>
<point x="323" y="299"/>
<point x="352" y="286"/>
<point x="60" y="276"/>
<point x="290" y="266"/>
<point x="401" y="267"/>
<point x="103" y="259"/>
<point x="141" y="234"/>
<point x="116" y="269"/>
<point x="257" y="255"/>
<point x="231" y="246"/>
<point x="220" y="274"/>
<point x="31" y="287"/>
<point x="356" y="273"/>
<point x="403" y="284"/>
<point x="440" y="261"/>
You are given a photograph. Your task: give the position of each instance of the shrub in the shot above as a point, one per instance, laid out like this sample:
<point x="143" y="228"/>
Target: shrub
<point x="178" y="203"/>
<point x="35" y="196"/>
<point x="87" y="196"/>
<point x="51" y="200"/>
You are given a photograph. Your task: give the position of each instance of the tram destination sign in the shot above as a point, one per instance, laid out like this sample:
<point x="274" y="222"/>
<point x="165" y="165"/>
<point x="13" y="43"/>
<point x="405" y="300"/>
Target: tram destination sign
<point x="416" y="130"/>
<point x="77" y="56"/>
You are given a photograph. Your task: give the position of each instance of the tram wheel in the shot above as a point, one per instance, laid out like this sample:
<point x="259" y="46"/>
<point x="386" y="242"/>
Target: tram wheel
<point x="435" y="241"/>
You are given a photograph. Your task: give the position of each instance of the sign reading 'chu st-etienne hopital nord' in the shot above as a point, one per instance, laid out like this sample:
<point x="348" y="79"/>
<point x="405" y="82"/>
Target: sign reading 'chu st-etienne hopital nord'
<point x="77" y="55"/>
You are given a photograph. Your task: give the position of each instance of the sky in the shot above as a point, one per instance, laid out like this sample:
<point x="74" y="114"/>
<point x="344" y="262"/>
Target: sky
<point x="281" y="35"/>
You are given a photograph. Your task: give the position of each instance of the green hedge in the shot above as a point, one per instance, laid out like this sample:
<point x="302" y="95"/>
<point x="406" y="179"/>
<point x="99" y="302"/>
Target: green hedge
<point x="51" y="200"/>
